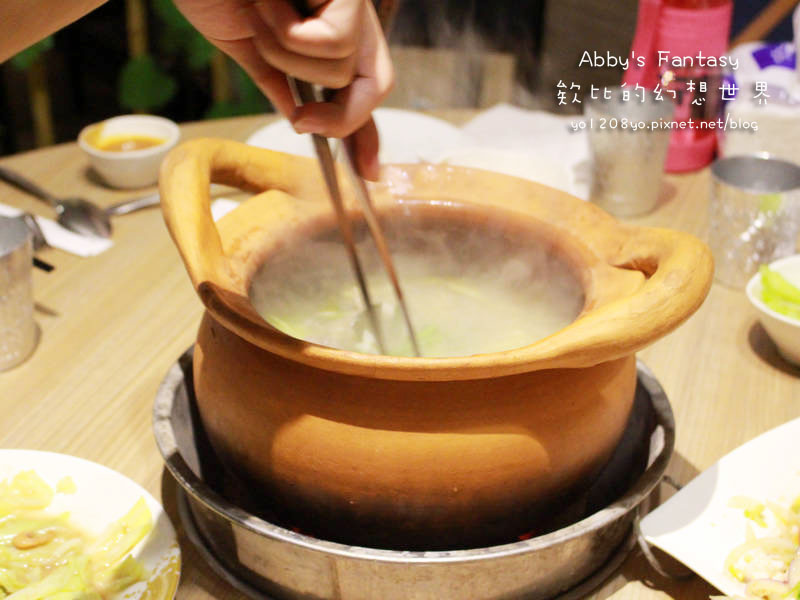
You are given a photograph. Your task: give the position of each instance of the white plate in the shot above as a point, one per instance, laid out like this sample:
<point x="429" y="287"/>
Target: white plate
<point x="697" y="526"/>
<point x="530" y="144"/>
<point x="406" y="137"/>
<point x="101" y="497"/>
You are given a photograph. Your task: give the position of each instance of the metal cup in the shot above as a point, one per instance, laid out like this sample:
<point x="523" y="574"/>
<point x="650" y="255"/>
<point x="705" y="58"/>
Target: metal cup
<point x="18" y="333"/>
<point x="628" y="144"/>
<point x="754" y="214"/>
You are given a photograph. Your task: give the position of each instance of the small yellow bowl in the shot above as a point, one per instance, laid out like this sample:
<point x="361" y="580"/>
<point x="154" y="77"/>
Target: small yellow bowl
<point x="127" y="151"/>
<point x="783" y="330"/>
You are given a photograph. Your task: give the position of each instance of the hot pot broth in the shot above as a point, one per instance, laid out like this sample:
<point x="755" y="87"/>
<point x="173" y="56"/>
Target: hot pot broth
<point x="470" y="290"/>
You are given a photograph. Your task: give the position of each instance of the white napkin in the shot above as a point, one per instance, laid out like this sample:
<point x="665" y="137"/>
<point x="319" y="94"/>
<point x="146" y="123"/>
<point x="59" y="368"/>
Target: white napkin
<point x="59" y="237"/>
<point x="81" y="245"/>
<point x="221" y="207"/>
<point x="532" y="144"/>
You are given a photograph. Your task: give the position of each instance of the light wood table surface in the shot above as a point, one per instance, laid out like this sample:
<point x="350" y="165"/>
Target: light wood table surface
<point x="112" y="325"/>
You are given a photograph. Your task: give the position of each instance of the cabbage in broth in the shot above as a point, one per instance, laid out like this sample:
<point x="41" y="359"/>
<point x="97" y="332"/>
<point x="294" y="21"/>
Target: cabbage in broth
<point x="467" y="292"/>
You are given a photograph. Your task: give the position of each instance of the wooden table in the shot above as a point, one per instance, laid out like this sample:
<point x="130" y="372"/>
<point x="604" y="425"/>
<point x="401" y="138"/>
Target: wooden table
<point x="112" y="325"/>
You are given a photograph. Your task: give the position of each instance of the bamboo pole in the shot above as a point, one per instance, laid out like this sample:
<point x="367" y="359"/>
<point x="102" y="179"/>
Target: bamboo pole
<point x="221" y="87"/>
<point x="36" y="76"/>
<point x="136" y="25"/>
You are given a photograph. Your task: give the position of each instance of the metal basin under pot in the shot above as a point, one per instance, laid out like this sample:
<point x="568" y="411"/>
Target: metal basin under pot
<point x="234" y="531"/>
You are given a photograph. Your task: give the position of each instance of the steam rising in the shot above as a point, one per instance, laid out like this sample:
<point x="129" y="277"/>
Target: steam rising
<point x="469" y="291"/>
<point x="461" y="41"/>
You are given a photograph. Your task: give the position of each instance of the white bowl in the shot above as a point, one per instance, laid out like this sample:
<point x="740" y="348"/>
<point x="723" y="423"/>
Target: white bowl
<point x="783" y="330"/>
<point x="129" y="168"/>
<point x="100" y="497"/>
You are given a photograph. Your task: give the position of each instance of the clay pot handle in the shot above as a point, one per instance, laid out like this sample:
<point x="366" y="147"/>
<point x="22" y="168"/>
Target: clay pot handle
<point x="670" y="271"/>
<point x="677" y="270"/>
<point x="186" y="175"/>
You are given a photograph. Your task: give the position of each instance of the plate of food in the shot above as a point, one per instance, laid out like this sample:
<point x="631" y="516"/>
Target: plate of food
<point x="737" y="523"/>
<point x="71" y="528"/>
<point x="406" y="137"/>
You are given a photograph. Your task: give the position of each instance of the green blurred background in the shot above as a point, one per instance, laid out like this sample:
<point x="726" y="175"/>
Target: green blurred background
<point x="143" y="56"/>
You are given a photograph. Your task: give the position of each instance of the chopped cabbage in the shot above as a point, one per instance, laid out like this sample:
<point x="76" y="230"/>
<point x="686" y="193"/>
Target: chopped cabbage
<point x="779" y="293"/>
<point x="769" y="565"/>
<point x="43" y="556"/>
<point x="26" y="490"/>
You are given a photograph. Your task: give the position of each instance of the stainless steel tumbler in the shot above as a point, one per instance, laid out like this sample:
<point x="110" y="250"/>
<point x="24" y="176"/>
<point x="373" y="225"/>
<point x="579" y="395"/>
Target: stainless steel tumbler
<point x="628" y="141"/>
<point x="18" y="333"/>
<point x="754" y="214"/>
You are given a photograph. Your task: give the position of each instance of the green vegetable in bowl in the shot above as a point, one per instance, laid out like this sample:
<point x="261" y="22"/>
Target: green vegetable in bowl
<point x="779" y="293"/>
<point x="779" y="305"/>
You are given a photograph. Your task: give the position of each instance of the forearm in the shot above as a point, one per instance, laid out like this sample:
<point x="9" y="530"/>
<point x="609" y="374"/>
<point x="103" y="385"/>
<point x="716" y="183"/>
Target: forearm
<point x="23" y="22"/>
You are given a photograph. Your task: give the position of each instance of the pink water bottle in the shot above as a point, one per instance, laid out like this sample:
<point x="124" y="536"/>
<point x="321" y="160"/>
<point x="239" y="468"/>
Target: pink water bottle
<point x="680" y="41"/>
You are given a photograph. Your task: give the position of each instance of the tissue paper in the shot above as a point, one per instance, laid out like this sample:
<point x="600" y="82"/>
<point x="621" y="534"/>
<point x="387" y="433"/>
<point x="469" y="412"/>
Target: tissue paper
<point x="58" y="237"/>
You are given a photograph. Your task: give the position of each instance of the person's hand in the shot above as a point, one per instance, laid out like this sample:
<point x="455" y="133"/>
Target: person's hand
<point x="341" y="46"/>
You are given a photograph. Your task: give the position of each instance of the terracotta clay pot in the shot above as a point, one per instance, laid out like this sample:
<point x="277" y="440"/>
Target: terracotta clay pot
<point x="417" y="452"/>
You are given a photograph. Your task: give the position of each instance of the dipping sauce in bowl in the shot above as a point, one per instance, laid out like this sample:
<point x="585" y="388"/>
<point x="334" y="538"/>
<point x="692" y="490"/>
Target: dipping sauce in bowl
<point x="126" y="143"/>
<point x="127" y="151"/>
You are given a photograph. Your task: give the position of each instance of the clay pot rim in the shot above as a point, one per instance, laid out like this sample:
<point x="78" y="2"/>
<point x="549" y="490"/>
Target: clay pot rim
<point x="653" y="279"/>
<point x="570" y="251"/>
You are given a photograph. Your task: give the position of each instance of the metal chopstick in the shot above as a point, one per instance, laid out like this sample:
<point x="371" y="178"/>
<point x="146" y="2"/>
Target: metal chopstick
<point x="305" y="93"/>
<point x="362" y="193"/>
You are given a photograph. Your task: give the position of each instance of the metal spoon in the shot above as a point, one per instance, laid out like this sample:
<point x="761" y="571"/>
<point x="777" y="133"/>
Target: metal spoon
<point x="77" y="214"/>
<point x="128" y="206"/>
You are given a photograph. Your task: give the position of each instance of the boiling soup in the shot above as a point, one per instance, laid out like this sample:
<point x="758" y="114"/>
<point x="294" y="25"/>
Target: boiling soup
<point x="468" y="292"/>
